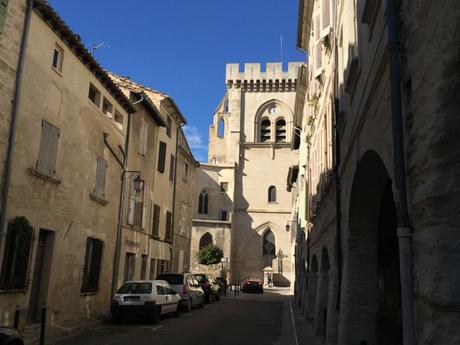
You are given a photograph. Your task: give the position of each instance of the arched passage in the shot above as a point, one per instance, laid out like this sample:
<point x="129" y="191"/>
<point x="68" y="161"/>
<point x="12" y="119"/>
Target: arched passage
<point x="206" y="240"/>
<point x="322" y="295"/>
<point x="372" y="283"/>
<point x="311" y="289"/>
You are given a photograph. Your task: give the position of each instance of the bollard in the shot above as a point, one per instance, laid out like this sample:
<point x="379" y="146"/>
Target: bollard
<point x="42" y="325"/>
<point x="17" y="314"/>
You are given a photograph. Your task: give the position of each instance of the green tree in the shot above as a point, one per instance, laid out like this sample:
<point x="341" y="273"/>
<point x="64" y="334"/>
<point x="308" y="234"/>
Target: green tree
<point x="210" y="255"/>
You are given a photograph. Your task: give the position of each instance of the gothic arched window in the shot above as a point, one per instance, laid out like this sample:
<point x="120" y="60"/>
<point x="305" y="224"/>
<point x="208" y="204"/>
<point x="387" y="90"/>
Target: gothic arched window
<point x="280" y="136"/>
<point x="203" y="203"/>
<point x="269" y="247"/>
<point x="272" y="194"/>
<point x="265" y="130"/>
<point x="205" y="240"/>
<point x="220" y="127"/>
<point x="226" y="106"/>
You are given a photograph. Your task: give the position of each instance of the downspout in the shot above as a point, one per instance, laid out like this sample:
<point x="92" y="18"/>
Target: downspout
<point x="404" y="227"/>
<point x="14" y="115"/>
<point x="174" y="191"/>
<point x="116" y="257"/>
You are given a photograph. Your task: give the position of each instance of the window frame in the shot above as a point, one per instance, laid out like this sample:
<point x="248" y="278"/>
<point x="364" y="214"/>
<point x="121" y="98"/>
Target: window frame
<point x="57" y="61"/>
<point x="93" y="261"/>
<point x="97" y="95"/>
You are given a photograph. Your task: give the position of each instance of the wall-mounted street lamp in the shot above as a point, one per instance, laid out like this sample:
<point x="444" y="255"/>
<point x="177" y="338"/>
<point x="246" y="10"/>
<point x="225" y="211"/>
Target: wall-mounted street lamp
<point x="288" y="226"/>
<point x="138" y="183"/>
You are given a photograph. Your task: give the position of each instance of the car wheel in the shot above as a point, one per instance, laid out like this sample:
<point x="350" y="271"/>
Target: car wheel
<point x="176" y="313"/>
<point x="156" y="314"/>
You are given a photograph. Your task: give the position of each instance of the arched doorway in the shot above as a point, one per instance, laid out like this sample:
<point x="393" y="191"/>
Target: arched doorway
<point x="372" y="282"/>
<point x="269" y="247"/>
<point x="206" y="240"/>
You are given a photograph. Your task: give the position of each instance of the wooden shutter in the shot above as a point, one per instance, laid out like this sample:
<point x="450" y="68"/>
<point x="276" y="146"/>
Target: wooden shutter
<point x="171" y="168"/>
<point x="161" y="157"/>
<point x="156" y="220"/>
<point x="168" y="231"/>
<point x="46" y="163"/>
<point x="101" y="171"/>
<point x="132" y="200"/>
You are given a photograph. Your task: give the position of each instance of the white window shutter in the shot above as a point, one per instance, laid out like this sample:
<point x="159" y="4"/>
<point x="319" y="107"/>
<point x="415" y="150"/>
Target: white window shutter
<point x="146" y="137"/>
<point x="101" y="172"/>
<point x="326" y="17"/>
<point x="144" y="207"/>
<point x="142" y="138"/>
<point x="46" y="163"/>
<point x="132" y="201"/>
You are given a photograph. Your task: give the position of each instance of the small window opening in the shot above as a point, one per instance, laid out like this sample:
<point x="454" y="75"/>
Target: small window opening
<point x="221" y="127"/>
<point x="58" y="55"/>
<point x="94" y="95"/>
<point x="107" y="108"/>
<point x="265" y="131"/>
<point x="280" y="131"/>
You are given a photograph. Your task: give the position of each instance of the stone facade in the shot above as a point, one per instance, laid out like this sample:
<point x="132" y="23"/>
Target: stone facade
<point x="250" y="136"/>
<point x="348" y="272"/>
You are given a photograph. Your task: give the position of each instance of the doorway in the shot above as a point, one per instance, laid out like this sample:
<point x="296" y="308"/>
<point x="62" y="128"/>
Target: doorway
<point x="41" y="274"/>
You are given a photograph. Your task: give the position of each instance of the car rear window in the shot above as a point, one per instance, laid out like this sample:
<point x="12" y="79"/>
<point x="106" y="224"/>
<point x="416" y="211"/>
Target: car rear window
<point x="172" y="279"/>
<point x="201" y="278"/>
<point x="135" y="288"/>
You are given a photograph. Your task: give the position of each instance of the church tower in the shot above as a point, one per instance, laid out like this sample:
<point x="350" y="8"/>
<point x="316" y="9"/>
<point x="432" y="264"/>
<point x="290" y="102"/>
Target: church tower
<point x="251" y="134"/>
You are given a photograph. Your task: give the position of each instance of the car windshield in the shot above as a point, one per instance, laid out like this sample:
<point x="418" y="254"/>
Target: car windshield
<point x="135" y="288"/>
<point x="201" y="278"/>
<point x="172" y="279"/>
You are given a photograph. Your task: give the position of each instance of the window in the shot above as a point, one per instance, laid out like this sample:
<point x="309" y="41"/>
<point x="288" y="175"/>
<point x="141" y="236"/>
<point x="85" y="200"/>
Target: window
<point x="186" y="171"/>
<point x="58" y="57"/>
<point x="144" y="259"/>
<point x="94" y="95"/>
<point x="153" y="269"/>
<point x="92" y="268"/>
<point x="272" y="194"/>
<point x="161" y="290"/>
<point x="162" y="266"/>
<point x="203" y="203"/>
<point x="161" y="157"/>
<point x="46" y="163"/>
<point x="136" y="203"/>
<point x="16" y="258"/>
<point x="143" y="137"/>
<point x="223" y="215"/>
<point x="3" y="12"/>
<point x="226" y="106"/>
<point x="130" y="265"/>
<point x="224" y="186"/>
<point x="220" y="127"/>
<point x="156" y="221"/>
<point x="107" y="108"/>
<point x="183" y="219"/>
<point x="171" y="168"/>
<point x="168" y="230"/>
<point x="280" y="131"/>
<point x="265" y="130"/>
<point x="118" y="119"/>
<point x="269" y="247"/>
<point x="101" y="172"/>
<point x="206" y="240"/>
<point x="169" y="126"/>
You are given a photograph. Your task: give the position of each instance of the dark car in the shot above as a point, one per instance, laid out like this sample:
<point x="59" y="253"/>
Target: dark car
<point x="210" y="287"/>
<point x="252" y="285"/>
<point x="10" y="336"/>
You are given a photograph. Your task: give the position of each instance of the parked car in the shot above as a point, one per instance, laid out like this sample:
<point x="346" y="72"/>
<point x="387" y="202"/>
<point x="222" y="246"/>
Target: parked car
<point x="252" y="285"/>
<point x="10" y="336"/>
<point x="187" y="287"/>
<point x="146" y="299"/>
<point x="210" y="287"/>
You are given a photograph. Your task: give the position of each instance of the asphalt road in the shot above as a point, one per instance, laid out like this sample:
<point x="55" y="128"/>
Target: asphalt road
<point x="248" y="319"/>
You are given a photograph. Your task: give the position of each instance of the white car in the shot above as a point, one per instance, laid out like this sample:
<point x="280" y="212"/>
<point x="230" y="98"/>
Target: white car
<point x="147" y="299"/>
<point x="187" y="287"/>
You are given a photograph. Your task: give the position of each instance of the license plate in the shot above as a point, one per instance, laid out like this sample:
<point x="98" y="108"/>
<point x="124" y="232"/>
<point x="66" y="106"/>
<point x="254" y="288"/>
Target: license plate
<point x="131" y="299"/>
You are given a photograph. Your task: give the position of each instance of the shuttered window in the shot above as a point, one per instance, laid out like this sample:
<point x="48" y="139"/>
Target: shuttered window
<point x="145" y="205"/>
<point x="156" y="221"/>
<point x="16" y="258"/>
<point x="92" y="268"/>
<point x="265" y="130"/>
<point x="280" y="131"/>
<point x="169" y="126"/>
<point x="46" y="162"/>
<point x="138" y="208"/>
<point x="168" y="230"/>
<point x="171" y="168"/>
<point x="3" y="13"/>
<point x="101" y="172"/>
<point x="326" y="18"/>
<point x="161" y="156"/>
<point x="130" y="266"/>
<point x="143" y="138"/>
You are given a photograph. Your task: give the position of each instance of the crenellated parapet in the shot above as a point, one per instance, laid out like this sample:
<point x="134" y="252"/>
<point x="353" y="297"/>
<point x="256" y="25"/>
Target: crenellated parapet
<point x="252" y="79"/>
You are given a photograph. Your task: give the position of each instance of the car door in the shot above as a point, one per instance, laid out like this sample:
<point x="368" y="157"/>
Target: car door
<point x="161" y="298"/>
<point x="171" y="298"/>
<point x="191" y="288"/>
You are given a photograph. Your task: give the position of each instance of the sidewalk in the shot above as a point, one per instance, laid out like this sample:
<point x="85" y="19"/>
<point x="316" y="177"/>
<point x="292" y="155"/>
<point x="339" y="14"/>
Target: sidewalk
<point x="305" y="334"/>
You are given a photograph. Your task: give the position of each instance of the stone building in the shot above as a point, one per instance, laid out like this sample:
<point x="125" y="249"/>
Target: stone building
<point x="247" y="205"/>
<point x="56" y="243"/>
<point x="377" y="262"/>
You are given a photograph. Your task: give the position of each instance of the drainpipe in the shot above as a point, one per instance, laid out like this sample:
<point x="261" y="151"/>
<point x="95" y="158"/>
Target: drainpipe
<point x="14" y="116"/>
<point x="404" y="227"/>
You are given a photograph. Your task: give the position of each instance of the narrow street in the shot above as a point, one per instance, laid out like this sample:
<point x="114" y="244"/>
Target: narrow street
<point x="245" y="319"/>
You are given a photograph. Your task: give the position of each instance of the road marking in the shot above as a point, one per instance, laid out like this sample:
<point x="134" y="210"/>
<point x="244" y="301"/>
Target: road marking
<point x="156" y="328"/>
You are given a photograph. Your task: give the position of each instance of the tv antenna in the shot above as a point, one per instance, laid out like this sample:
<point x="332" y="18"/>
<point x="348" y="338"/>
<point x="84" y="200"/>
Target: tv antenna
<point x="95" y="47"/>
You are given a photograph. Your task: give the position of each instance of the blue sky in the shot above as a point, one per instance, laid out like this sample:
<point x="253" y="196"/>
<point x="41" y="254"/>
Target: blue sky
<point x="181" y="47"/>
